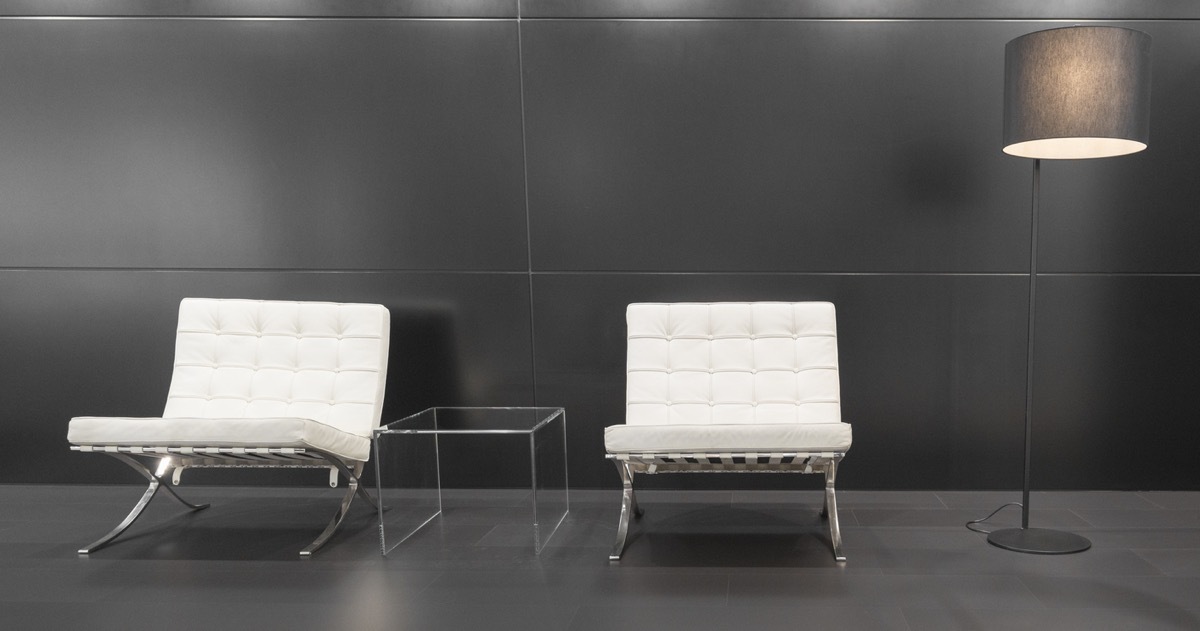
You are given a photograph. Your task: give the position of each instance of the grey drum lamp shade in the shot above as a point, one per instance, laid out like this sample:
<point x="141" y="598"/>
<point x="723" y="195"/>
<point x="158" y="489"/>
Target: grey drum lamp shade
<point x="1077" y="92"/>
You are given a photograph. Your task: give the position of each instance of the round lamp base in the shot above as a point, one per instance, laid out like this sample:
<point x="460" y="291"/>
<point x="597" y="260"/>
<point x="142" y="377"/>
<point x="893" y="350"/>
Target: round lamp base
<point x="1038" y="541"/>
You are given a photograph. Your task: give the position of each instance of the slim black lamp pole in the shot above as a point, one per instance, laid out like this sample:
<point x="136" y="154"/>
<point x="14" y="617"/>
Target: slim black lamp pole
<point x="1026" y="539"/>
<point x="1037" y="188"/>
<point x="1069" y="93"/>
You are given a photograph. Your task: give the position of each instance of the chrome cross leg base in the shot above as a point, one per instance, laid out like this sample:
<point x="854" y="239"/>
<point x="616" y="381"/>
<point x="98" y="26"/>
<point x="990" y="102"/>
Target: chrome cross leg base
<point x="793" y="462"/>
<point x="629" y="507"/>
<point x="151" y="491"/>
<point x="324" y="460"/>
<point x="352" y="488"/>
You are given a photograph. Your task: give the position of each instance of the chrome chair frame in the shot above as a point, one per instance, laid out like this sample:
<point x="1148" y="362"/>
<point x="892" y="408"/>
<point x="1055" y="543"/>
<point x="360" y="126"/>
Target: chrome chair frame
<point x="650" y="463"/>
<point x="180" y="458"/>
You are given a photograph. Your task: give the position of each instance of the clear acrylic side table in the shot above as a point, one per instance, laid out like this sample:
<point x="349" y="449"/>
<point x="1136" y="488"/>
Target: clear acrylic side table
<point x="408" y="465"/>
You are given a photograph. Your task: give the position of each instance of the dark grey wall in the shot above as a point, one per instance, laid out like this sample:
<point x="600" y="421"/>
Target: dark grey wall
<point x="506" y="185"/>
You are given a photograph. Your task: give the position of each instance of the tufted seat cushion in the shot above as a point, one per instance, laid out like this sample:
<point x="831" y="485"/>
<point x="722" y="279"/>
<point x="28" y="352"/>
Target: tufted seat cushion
<point x="296" y="433"/>
<point x="264" y="374"/>
<point x="774" y="437"/>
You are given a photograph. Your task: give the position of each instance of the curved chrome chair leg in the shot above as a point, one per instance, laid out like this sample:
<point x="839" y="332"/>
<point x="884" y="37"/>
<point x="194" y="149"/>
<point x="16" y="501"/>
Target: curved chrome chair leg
<point x="637" y="509"/>
<point x="830" y="511"/>
<point x="352" y="488"/>
<point x="158" y="476"/>
<point x="352" y="475"/>
<point x="628" y="507"/>
<point x="347" y="499"/>
<point x="155" y="484"/>
<point x="129" y="519"/>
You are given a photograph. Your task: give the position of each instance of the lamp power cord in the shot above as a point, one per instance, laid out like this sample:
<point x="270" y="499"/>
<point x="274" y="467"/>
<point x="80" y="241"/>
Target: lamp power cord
<point x="971" y="524"/>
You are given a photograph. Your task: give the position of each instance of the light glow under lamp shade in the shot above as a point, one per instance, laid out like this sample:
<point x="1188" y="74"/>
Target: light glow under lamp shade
<point x="1077" y="92"/>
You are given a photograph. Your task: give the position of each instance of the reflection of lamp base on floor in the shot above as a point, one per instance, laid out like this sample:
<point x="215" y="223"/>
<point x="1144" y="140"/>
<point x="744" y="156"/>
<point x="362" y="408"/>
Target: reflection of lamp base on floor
<point x="1038" y="541"/>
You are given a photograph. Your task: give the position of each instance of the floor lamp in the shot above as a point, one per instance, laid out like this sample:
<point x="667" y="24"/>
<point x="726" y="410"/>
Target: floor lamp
<point x="1069" y="93"/>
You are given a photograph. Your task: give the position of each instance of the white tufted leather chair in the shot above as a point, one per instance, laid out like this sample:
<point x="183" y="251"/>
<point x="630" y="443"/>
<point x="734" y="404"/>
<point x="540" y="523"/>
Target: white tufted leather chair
<point x="730" y="387"/>
<point x="258" y="384"/>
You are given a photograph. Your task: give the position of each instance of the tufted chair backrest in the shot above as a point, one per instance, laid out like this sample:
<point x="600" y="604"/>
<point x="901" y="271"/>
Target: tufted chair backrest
<point x="732" y="363"/>
<point x="273" y="359"/>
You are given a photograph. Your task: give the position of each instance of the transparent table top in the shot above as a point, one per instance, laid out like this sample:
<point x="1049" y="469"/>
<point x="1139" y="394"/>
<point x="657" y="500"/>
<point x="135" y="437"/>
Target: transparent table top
<point x="473" y="420"/>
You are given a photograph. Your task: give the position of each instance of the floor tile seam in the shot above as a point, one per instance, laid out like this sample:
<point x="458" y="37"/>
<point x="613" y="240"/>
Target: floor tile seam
<point x="109" y="569"/>
<point x="817" y="607"/>
<point x="1007" y="573"/>
<point x="1136" y="578"/>
<point x="908" y="549"/>
<point x="1142" y="580"/>
<point x="1167" y="509"/>
<point x="913" y="573"/>
<point x="852" y="522"/>
<point x="543" y="571"/>
<point x="313" y="568"/>
<point x="1149" y="505"/>
<point x="971" y="509"/>
<point x="428" y="584"/>
<point x="961" y="526"/>
<point x="122" y="593"/>
<point x="908" y="576"/>
<point x="1133" y="575"/>
<point x="575" y="616"/>
<point x="1030" y="591"/>
<point x="930" y="607"/>
<point x="1148" y="529"/>
<point x="786" y="571"/>
<point x="953" y="528"/>
<point x="485" y="536"/>
<point x="216" y="602"/>
<point x="60" y="602"/>
<point x="1138" y="553"/>
<point x="1055" y="610"/>
<point x="908" y="623"/>
<point x="565" y="599"/>
<point x="1075" y="513"/>
<point x="1142" y="495"/>
<point x="705" y="570"/>
<point x="1019" y="573"/>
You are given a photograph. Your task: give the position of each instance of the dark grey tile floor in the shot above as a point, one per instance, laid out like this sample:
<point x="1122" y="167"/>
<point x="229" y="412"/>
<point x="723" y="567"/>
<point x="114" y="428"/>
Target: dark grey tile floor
<point x="712" y="560"/>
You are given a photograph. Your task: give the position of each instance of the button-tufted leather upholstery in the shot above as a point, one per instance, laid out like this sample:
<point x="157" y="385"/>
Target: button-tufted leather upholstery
<point x="731" y="377"/>
<point x="265" y="373"/>
<point x="737" y="387"/>
<point x="258" y="383"/>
